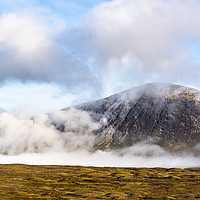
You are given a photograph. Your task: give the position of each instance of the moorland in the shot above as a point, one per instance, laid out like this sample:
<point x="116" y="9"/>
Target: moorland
<point x="77" y="182"/>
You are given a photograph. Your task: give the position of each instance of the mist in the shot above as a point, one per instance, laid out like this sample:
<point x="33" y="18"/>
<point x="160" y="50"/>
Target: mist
<point x="68" y="138"/>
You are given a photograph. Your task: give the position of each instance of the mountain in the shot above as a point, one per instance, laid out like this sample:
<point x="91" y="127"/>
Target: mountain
<point x="161" y="113"/>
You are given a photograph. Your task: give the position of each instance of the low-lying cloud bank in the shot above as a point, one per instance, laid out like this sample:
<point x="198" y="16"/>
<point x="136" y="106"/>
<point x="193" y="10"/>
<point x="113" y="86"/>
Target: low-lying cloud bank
<point x="102" y="159"/>
<point x="36" y="140"/>
<point x="39" y="134"/>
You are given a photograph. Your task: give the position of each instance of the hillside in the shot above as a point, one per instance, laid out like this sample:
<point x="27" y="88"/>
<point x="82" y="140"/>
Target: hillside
<point x="165" y="114"/>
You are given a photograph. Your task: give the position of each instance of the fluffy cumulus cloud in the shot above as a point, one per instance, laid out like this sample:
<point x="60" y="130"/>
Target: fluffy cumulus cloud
<point x="25" y="47"/>
<point x="30" y="50"/>
<point x="21" y="34"/>
<point x="154" y="40"/>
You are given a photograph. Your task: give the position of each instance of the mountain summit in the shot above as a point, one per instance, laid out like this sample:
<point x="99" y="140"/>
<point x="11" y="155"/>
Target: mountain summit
<point x="164" y="114"/>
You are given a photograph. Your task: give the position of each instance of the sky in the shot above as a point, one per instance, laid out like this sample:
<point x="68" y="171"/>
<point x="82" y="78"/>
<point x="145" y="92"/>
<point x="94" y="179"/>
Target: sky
<point x="55" y="54"/>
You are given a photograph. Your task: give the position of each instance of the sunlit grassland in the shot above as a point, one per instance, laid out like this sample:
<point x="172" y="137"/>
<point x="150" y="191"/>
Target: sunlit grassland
<point x="75" y="182"/>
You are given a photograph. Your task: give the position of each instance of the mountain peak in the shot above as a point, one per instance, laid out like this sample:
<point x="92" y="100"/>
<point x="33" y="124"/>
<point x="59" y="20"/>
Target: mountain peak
<point x="165" y="114"/>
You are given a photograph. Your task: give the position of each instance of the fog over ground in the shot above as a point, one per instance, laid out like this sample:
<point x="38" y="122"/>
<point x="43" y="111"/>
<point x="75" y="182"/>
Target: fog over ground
<point x="35" y="140"/>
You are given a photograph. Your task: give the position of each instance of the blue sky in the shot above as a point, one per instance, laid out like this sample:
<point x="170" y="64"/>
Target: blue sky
<point x="55" y="54"/>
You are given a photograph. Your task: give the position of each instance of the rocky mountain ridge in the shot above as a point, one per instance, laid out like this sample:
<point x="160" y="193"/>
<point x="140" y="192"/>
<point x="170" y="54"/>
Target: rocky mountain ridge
<point x="164" y="114"/>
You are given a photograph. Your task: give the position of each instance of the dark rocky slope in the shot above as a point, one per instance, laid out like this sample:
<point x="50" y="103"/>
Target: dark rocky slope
<point x="165" y="114"/>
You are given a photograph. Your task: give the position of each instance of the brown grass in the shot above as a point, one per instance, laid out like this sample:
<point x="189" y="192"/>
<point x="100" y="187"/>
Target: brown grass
<point x="75" y="182"/>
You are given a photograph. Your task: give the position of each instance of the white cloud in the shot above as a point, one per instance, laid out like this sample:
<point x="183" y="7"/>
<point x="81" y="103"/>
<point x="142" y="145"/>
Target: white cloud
<point x="151" y="37"/>
<point x="22" y="133"/>
<point x="145" y="28"/>
<point x="21" y="34"/>
<point x="27" y="50"/>
<point x="30" y="50"/>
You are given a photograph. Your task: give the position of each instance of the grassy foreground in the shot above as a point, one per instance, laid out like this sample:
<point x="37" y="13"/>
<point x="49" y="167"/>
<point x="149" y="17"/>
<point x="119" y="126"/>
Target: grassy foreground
<point x="74" y="182"/>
